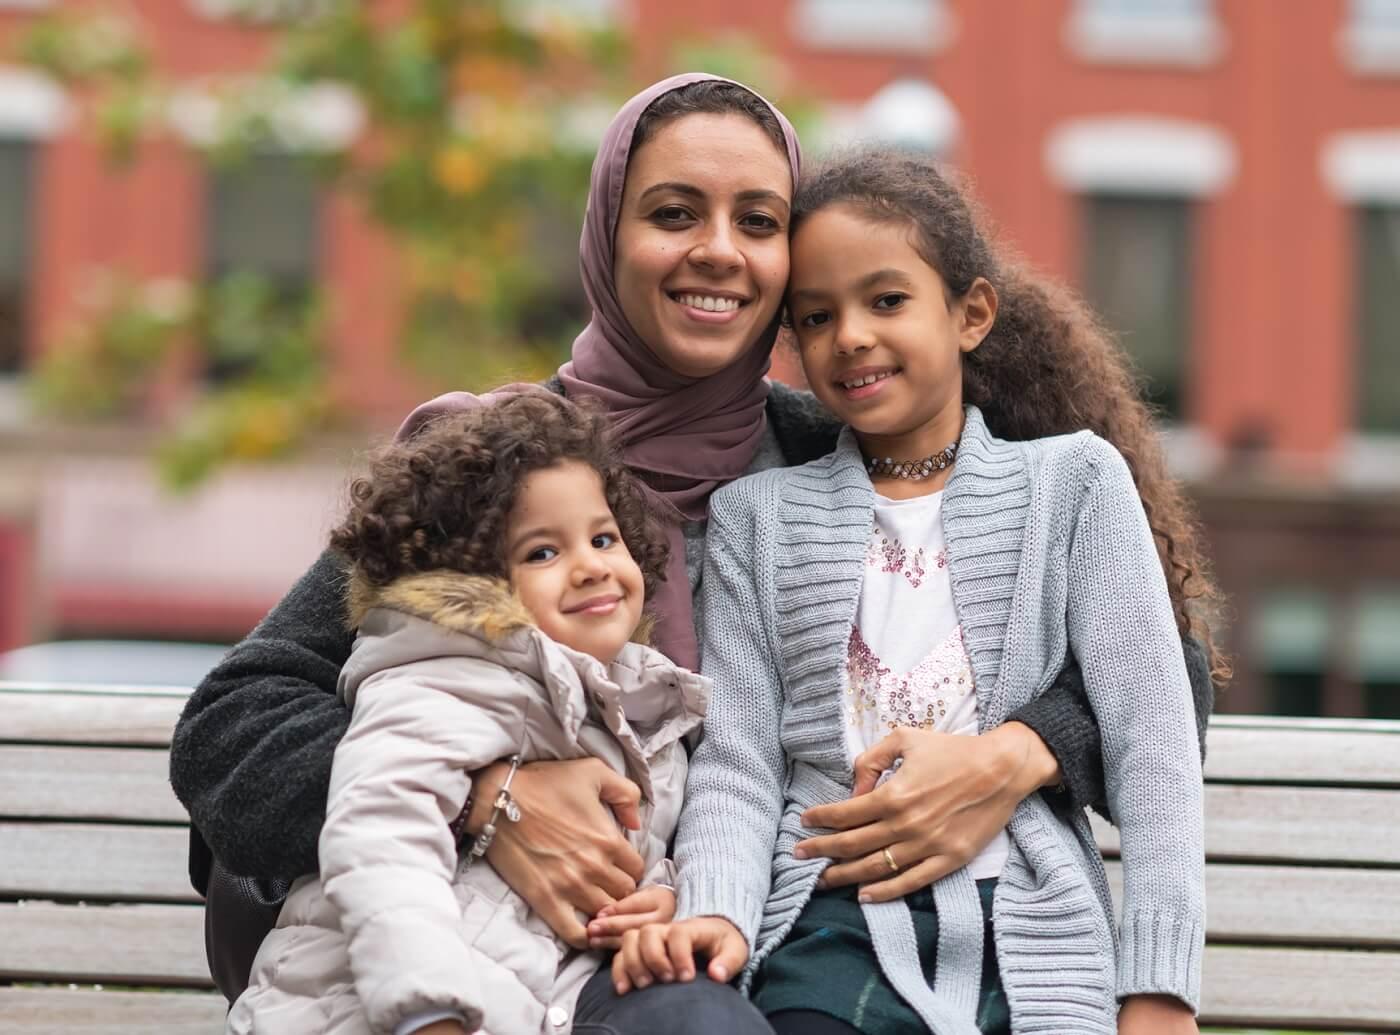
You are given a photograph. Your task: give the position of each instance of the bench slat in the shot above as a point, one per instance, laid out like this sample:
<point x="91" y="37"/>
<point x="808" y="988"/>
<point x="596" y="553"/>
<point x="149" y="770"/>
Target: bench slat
<point x="43" y="1011"/>
<point x="88" y="783"/>
<point x="120" y="945"/>
<point x="1293" y="824"/>
<point x="74" y="718"/>
<point x="1299" y="906"/>
<point x="90" y="861"/>
<point x="1319" y="988"/>
<point x="1335" y="757"/>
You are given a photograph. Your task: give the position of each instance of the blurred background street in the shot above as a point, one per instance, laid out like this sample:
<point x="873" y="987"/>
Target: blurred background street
<point x="240" y="239"/>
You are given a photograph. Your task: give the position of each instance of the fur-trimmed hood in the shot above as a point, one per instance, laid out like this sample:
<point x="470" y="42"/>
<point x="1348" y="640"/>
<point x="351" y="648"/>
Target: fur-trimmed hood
<point x="477" y="605"/>
<point x="643" y="699"/>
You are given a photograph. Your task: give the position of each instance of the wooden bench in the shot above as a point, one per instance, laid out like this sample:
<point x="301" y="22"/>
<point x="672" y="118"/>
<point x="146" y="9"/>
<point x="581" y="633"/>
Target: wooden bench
<point x="1303" y="873"/>
<point x="93" y="889"/>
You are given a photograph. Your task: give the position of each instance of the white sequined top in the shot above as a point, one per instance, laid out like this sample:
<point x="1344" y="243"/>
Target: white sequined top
<point x="905" y="662"/>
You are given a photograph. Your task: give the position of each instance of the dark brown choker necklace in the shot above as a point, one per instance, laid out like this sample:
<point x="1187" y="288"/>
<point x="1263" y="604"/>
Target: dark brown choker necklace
<point x="914" y="470"/>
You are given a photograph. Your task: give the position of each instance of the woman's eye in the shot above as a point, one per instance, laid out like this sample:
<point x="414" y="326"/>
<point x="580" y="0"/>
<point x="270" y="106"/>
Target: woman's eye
<point x="603" y="540"/>
<point x="891" y="301"/>
<point x="541" y="554"/>
<point x="761" y="222"/>
<point x="671" y="214"/>
<point x="815" y="319"/>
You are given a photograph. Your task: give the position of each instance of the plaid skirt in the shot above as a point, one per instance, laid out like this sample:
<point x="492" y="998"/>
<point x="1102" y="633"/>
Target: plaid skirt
<point x="827" y="963"/>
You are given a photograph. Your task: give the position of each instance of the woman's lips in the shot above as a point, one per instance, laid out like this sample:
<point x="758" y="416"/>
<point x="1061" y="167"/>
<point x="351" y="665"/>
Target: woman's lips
<point x="706" y="316"/>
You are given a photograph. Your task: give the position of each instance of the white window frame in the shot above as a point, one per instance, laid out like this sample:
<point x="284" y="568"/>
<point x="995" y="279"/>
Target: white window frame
<point x="907" y="112"/>
<point x="879" y="26"/>
<point x="1190" y="39"/>
<point x="323" y="117"/>
<point x="1141" y="155"/>
<point x="1363" y="166"/>
<point x="1368" y="48"/>
<point x="32" y="105"/>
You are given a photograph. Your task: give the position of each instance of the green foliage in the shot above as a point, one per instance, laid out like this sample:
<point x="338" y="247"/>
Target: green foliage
<point x="479" y="122"/>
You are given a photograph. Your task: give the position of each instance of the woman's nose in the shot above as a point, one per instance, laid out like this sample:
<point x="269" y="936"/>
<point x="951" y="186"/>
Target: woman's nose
<point x="717" y="250"/>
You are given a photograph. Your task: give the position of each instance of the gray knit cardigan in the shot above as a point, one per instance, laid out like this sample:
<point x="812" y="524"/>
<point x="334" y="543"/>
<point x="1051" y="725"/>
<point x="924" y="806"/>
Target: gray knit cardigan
<point x="1049" y="553"/>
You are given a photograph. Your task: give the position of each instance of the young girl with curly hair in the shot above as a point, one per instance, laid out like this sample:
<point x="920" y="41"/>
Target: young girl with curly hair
<point x="498" y="561"/>
<point x="925" y="580"/>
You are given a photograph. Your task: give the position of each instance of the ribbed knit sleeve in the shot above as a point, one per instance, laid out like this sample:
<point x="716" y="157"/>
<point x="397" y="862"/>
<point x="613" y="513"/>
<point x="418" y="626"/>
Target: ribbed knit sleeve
<point x="734" y="793"/>
<point x="1122" y="630"/>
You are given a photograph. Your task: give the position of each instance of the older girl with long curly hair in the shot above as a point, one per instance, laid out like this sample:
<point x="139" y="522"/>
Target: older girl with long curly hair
<point x="925" y="580"/>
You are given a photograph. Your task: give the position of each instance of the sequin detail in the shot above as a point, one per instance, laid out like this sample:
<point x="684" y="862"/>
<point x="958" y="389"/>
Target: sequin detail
<point x="878" y="699"/>
<point x="887" y="554"/>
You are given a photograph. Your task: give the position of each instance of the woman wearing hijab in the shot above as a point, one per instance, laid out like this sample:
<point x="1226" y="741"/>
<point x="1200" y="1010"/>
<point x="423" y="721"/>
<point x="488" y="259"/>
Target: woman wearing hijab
<point x="684" y="259"/>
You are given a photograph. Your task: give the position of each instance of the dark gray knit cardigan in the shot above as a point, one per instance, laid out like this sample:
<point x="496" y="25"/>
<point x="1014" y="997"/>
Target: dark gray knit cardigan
<point x="251" y="755"/>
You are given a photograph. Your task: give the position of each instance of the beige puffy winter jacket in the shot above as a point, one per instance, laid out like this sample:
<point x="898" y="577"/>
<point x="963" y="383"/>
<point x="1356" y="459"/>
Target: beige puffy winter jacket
<point x="449" y="674"/>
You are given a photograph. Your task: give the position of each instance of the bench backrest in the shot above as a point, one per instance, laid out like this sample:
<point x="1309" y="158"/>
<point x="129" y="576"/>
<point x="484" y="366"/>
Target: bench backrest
<point x="1302" y="837"/>
<point x="1302" y="873"/>
<point x="93" y="888"/>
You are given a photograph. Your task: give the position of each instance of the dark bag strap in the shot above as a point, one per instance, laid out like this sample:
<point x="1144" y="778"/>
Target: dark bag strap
<point x="238" y="914"/>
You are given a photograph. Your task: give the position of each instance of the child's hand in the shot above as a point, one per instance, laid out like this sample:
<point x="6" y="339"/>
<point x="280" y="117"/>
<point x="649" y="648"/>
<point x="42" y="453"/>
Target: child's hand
<point x="1155" y="1015"/>
<point x="666" y="952"/>
<point x="650" y="905"/>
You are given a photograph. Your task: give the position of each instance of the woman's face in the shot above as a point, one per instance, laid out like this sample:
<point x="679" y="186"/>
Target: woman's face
<point x="702" y="246"/>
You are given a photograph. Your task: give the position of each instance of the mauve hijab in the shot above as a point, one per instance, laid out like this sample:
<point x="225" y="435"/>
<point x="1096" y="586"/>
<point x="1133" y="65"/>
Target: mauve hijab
<point x="684" y="436"/>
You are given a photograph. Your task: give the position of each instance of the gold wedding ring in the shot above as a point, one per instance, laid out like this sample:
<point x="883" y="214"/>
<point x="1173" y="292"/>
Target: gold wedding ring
<point x="889" y="861"/>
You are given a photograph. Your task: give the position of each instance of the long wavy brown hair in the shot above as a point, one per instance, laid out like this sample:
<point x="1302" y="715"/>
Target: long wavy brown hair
<point x="1047" y="367"/>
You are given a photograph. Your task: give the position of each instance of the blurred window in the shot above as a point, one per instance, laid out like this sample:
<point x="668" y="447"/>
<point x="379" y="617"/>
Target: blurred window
<point x="914" y="26"/>
<point x="1373" y="650"/>
<point x="1383" y="15"/>
<point x="16" y="203"/>
<point x="263" y="220"/>
<point x="1148" y="8"/>
<point x="1370" y="39"/>
<point x="1137" y="263"/>
<point x="1179" y="32"/>
<point x="1288" y="639"/>
<point x="1378" y="383"/>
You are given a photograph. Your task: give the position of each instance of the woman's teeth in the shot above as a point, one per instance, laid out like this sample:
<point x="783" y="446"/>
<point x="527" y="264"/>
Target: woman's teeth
<point x="708" y="303"/>
<point x="868" y="379"/>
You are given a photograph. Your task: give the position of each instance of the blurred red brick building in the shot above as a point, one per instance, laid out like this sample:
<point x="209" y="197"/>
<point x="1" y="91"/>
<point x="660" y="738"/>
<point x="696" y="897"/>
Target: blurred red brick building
<point x="1220" y="177"/>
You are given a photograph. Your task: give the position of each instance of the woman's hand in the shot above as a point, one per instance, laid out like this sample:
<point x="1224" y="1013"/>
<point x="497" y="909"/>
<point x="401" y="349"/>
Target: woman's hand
<point x="949" y="797"/>
<point x="1155" y="1015"/>
<point x="666" y="952"/>
<point x="566" y="855"/>
<point x="651" y="905"/>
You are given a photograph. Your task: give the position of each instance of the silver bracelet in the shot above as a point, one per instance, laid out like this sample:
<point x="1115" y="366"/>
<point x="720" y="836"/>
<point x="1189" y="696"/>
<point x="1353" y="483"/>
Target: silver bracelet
<point x="504" y="802"/>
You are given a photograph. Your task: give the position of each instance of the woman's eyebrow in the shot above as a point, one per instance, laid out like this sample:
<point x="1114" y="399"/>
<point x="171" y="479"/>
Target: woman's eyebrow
<point x="692" y="191"/>
<point x="762" y="195"/>
<point x="671" y="185"/>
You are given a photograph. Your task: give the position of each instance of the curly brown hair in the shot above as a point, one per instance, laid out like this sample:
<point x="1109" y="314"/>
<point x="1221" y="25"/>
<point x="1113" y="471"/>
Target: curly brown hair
<point x="1047" y="367"/>
<point x="442" y="499"/>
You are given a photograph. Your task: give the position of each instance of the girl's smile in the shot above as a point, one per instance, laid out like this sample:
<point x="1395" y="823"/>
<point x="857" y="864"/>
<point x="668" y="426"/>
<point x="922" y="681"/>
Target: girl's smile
<point x="865" y="382"/>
